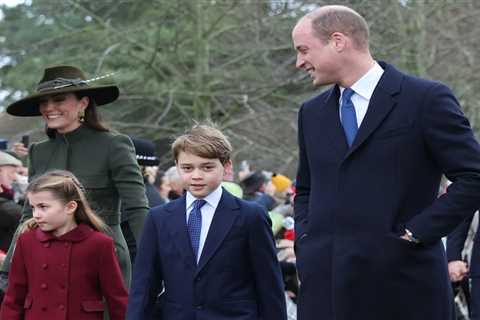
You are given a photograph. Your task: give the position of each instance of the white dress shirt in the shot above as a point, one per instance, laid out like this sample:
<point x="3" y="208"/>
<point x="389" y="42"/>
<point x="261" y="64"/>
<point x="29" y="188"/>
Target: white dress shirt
<point x="363" y="88"/>
<point x="208" y="210"/>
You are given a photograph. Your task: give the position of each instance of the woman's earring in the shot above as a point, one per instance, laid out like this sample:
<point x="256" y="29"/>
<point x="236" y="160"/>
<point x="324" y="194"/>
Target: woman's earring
<point x="81" y="115"/>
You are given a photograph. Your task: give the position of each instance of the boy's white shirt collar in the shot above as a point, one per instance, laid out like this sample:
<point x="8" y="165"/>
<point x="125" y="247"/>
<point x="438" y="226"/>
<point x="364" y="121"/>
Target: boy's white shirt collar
<point x="212" y="199"/>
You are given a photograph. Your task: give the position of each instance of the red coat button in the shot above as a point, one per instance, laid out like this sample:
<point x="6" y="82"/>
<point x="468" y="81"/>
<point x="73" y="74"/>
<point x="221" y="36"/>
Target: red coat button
<point x="44" y="286"/>
<point x="44" y="266"/>
<point x="61" y="307"/>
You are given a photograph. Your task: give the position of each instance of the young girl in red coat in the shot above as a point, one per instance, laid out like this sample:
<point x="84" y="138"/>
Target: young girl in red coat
<point x="64" y="266"/>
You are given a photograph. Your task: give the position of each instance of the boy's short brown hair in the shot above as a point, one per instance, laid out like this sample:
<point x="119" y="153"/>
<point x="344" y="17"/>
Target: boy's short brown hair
<point x="204" y="141"/>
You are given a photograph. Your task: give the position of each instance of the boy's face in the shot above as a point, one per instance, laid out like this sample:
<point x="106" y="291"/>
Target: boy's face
<point x="200" y="175"/>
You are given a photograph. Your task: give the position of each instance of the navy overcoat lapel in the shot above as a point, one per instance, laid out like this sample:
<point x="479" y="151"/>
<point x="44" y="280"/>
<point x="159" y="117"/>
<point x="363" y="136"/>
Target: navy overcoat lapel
<point x="381" y="103"/>
<point x="223" y="219"/>
<point x="328" y="120"/>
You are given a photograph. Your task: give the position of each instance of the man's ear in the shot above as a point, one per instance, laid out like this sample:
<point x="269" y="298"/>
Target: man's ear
<point x="339" y="41"/>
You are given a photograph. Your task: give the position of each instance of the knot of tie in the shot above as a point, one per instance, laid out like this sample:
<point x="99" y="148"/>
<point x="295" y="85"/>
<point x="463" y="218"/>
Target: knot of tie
<point x="198" y="204"/>
<point x="347" y="95"/>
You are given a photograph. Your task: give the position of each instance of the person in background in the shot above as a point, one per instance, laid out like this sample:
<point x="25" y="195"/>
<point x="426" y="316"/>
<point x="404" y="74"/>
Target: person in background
<point x="175" y="182"/>
<point x="147" y="160"/>
<point x="10" y="211"/>
<point x="103" y="160"/>
<point x="458" y="267"/>
<point x="254" y="187"/>
<point x="64" y="266"/>
<point x="162" y="185"/>
<point x="208" y="254"/>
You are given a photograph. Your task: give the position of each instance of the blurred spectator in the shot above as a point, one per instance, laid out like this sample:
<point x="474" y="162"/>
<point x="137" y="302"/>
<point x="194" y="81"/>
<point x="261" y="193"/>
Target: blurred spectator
<point x="162" y="185"/>
<point x="147" y="160"/>
<point x="10" y="211"/>
<point x="254" y="186"/>
<point x="176" y="184"/>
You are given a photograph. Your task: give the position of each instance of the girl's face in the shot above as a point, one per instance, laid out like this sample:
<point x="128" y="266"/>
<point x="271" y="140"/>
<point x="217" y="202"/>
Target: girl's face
<point x="61" y="111"/>
<point x="52" y="214"/>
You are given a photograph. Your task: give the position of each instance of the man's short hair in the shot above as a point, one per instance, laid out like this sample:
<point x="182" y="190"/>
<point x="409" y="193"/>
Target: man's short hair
<point x="204" y="141"/>
<point x="342" y="19"/>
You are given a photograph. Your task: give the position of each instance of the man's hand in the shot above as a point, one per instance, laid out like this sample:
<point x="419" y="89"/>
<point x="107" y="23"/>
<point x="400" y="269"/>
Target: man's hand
<point x="20" y="150"/>
<point x="457" y="270"/>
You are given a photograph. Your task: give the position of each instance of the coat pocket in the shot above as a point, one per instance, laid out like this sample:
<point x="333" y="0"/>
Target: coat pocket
<point x="93" y="306"/>
<point x="28" y="302"/>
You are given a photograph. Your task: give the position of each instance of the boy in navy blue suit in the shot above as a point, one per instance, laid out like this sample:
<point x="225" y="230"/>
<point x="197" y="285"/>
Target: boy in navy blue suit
<point x="207" y="255"/>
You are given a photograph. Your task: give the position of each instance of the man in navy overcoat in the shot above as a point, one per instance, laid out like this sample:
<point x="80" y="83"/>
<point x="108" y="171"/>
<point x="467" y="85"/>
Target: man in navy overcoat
<point x="368" y="221"/>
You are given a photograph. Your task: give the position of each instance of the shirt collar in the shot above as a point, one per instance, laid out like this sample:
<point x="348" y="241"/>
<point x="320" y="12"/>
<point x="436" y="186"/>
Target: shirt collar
<point x="365" y="86"/>
<point x="212" y="199"/>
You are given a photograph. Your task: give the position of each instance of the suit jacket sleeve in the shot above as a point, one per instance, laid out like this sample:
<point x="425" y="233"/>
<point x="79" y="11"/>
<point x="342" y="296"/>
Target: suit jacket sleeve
<point x="128" y="181"/>
<point x="266" y="269"/>
<point x="456" y="240"/>
<point x="12" y="306"/>
<point x="147" y="274"/>
<point x="451" y="143"/>
<point x="302" y="184"/>
<point x="111" y="281"/>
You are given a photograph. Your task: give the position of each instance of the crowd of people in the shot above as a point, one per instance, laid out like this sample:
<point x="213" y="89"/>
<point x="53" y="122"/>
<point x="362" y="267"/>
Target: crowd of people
<point x="356" y="235"/>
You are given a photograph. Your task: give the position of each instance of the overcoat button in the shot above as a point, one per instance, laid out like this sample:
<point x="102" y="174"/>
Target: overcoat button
<point x="44" y="266"/>
<point x="44" y="286"/>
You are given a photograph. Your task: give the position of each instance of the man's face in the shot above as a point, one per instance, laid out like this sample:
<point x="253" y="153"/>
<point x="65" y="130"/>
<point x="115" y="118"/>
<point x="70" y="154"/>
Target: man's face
<point x="319" y="59"/>
<point x="8" y="174"/>
<point x="200" y="175"/>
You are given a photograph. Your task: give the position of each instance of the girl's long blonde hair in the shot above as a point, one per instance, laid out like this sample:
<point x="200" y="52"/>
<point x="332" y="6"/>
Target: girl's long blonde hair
<point x="65" y="187"/>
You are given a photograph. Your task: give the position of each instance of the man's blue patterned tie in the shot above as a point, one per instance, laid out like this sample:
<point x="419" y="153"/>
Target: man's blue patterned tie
<point x="349" y="118"/>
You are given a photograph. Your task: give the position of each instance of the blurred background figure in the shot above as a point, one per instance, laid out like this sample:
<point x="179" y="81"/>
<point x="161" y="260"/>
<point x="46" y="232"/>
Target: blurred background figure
<point x="148" y="162"/>
<point x="10" y="211"/>
<point x="176" y="184"/>
<point x="162" y="185"/>
<point x="255" y="186"/>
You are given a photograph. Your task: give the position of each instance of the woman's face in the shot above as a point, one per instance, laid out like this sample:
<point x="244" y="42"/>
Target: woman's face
<point x="61" y="111"/>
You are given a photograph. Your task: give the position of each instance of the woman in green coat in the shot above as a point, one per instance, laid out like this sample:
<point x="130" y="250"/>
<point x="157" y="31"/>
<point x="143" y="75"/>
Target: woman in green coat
<point x="103" y="161"/>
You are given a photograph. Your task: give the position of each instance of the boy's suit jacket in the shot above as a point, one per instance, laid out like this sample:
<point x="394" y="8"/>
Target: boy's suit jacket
<point x="237" y="277"/>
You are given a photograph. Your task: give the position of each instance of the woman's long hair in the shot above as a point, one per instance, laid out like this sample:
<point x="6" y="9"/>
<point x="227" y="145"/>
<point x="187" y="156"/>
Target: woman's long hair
<point x="65" y="187"/>
<point x="92" y="118"/>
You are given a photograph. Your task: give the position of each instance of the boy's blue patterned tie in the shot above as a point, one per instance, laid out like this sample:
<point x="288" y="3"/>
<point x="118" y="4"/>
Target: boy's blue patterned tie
<point x="195" y="224"/>
<point x="349" y="118"/>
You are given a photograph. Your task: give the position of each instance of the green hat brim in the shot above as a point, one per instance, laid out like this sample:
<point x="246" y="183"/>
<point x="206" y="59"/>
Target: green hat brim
<point x="29" y="106"/>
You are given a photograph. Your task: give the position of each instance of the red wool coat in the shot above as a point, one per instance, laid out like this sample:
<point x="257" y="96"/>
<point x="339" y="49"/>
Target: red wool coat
<point x="64" y="278"/>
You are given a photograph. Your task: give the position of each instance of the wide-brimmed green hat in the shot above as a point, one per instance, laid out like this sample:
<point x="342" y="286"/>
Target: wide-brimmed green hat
<point x="62" y="79"/>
